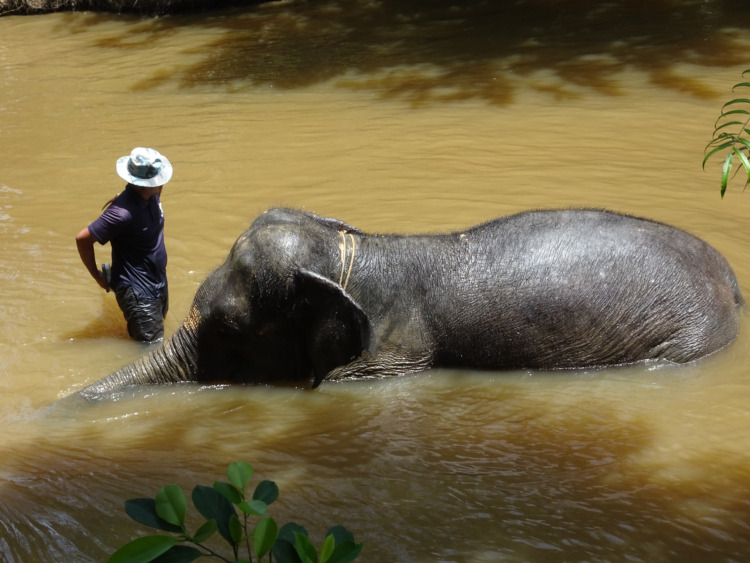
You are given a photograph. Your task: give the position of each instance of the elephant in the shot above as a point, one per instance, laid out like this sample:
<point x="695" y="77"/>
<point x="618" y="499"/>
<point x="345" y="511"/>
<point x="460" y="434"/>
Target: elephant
<point x="303" y="299"/>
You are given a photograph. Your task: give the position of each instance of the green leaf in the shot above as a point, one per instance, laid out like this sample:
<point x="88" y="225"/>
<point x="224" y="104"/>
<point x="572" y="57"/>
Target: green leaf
<point x="745" y="162"/>
<point x="254" y="507"/>
<point x="725" y="171"/>
<point x="231" y="492"/>
<point x="267" y="491"/>
<point x="345" y="552"/>
<point x="235" y="529"/>
<point x="284" y="549"/>
<point x="736" y="101"/>
<point x="340" y="534"/>
<point x="732" y="112"/>
<point x="746" y="84"/>
<point x="305" y="548"/>
<point x="143" y="511"/>
<point x="720" y="138"/>
<point x="171" y="505"/>
<point x="728" y="124"/>
<point x="327" y="548"/>
<point x="265" y="536"/>
<point x="288" y="530"/>
<point x="207" y="530"/>
<point x="717" y="149"/>
<point x="179" y="554"/>
<point x="213" y="505"/>
<point x="744" y="142"/>
<point x="143" y="550"/>
<point x="239" y="474"/>
<point x="743" y="158"/>
<point x="283" y="552"/>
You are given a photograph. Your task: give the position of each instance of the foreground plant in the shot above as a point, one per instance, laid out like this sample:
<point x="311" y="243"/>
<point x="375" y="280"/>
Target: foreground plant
<point x="168" y="510"/>
<point x="731" y="134"/>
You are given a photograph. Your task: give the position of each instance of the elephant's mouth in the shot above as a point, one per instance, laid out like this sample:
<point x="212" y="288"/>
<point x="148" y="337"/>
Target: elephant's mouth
<point x="244" y="365"/>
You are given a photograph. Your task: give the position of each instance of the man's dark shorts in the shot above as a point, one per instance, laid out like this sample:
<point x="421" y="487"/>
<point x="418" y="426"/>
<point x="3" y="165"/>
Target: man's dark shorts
<point x="145" y="318"/>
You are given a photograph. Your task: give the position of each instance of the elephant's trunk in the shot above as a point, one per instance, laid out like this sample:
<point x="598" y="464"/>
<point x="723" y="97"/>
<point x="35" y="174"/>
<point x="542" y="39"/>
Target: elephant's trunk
<point x="173" y="362"/>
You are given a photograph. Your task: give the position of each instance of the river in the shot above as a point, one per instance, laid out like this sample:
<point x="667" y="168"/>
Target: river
<point x="395" y="117"/>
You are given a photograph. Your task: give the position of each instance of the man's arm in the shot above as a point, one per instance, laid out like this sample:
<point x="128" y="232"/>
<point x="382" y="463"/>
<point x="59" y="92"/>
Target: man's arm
<point x="85" y="243"/>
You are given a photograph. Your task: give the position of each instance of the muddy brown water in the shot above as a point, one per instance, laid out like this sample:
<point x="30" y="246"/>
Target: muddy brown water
<point x="408" y="117"/>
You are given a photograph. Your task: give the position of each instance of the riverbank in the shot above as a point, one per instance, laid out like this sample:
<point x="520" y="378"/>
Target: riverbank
<point x="143" y="7"/>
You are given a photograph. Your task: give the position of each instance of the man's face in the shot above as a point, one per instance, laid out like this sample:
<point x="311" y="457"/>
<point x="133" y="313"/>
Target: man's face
<point x="148" y="193"/>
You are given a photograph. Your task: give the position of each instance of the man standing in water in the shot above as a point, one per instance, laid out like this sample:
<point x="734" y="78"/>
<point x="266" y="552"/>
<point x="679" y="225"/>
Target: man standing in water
<point x="134" y="224"/>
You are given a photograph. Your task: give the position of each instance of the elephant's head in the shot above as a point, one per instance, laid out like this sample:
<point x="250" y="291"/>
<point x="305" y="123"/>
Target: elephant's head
<point x="270" y="313"/>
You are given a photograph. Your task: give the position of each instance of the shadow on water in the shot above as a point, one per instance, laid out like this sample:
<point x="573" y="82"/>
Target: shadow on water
<point x="439" y="50"/>
<point x="434" y="468"/>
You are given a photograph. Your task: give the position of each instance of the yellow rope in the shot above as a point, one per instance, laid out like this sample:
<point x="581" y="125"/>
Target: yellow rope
<point x="351" y="262"/>
<point x="342" y="247"/>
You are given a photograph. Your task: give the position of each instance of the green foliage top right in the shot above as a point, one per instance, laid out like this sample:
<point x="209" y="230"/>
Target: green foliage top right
<point x="731" y="135"/>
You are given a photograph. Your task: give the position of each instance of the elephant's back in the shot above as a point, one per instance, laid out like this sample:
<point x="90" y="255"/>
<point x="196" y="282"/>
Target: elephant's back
<point x="573" y="288"/>
<point x="567" y="243"/>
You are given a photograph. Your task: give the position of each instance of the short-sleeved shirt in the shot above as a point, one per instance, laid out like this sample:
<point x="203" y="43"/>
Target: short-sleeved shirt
<point x="135" y="227"/>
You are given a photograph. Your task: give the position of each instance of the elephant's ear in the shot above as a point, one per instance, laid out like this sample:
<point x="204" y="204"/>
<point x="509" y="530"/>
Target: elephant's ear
<point x="334" y="329"/>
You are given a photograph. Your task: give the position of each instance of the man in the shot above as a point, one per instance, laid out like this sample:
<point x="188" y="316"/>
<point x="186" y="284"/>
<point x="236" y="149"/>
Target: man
<point x="134" y="224"/>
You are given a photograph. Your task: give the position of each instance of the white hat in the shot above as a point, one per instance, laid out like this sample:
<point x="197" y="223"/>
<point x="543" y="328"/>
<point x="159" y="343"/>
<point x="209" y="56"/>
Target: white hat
<point x="144" y="167"/>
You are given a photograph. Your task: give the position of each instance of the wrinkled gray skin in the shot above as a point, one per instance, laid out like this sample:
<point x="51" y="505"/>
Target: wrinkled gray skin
<point x="539" y="290"/>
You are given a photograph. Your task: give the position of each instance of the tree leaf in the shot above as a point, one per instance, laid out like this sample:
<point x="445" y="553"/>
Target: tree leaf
<point x="143" y="550"/>
<point x="207" y="530"/>
<point x="720" y="138"/>
<point x="736" y="101"/>
<point x="254" y="507"/>
<point x="345" y="552"/>
<point x="340" y="534"/>
<point x="235" y="529"/>
<point x="239" y="474"/>
<point x="746" y="84"/>
<point x="717" y="149"/>
<point x="264" y="536"/>
<point x="732" y="112"/>
<point x="267" y="491"/>
<point x="283" y="551"/>
<point x="143" y="511"/>
<point x="171" y="505"/>
<point x="728" y="124"/>
<point x="231" y="492"/>
<point x="725" y="171"/>
<point x="305" y="548"/>
<point x="327" y="548"/>
<point x="179" y="554"/>
<point x="288" y="530"/>
<point x="744" y="160"/>
<point x="744" y="142"/>
<point x="213" y="505"/>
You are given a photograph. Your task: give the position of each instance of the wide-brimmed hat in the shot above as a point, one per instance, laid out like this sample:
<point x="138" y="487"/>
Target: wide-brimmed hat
<point x="144" y="167"/>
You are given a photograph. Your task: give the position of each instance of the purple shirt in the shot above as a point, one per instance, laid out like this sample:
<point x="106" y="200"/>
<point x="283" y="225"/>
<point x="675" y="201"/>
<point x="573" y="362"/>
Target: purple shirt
<point x="135" y="227"/>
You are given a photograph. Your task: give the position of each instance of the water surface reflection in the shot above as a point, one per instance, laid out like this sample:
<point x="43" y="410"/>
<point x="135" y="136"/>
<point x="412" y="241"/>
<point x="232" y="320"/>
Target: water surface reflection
<point x="427" y="50"/>
<point x="406" y="117"/>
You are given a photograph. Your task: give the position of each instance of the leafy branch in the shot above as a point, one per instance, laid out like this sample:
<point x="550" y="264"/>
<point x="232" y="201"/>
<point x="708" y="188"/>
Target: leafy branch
<point x="734" y="113"/>
<point x="168" y="510"/>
